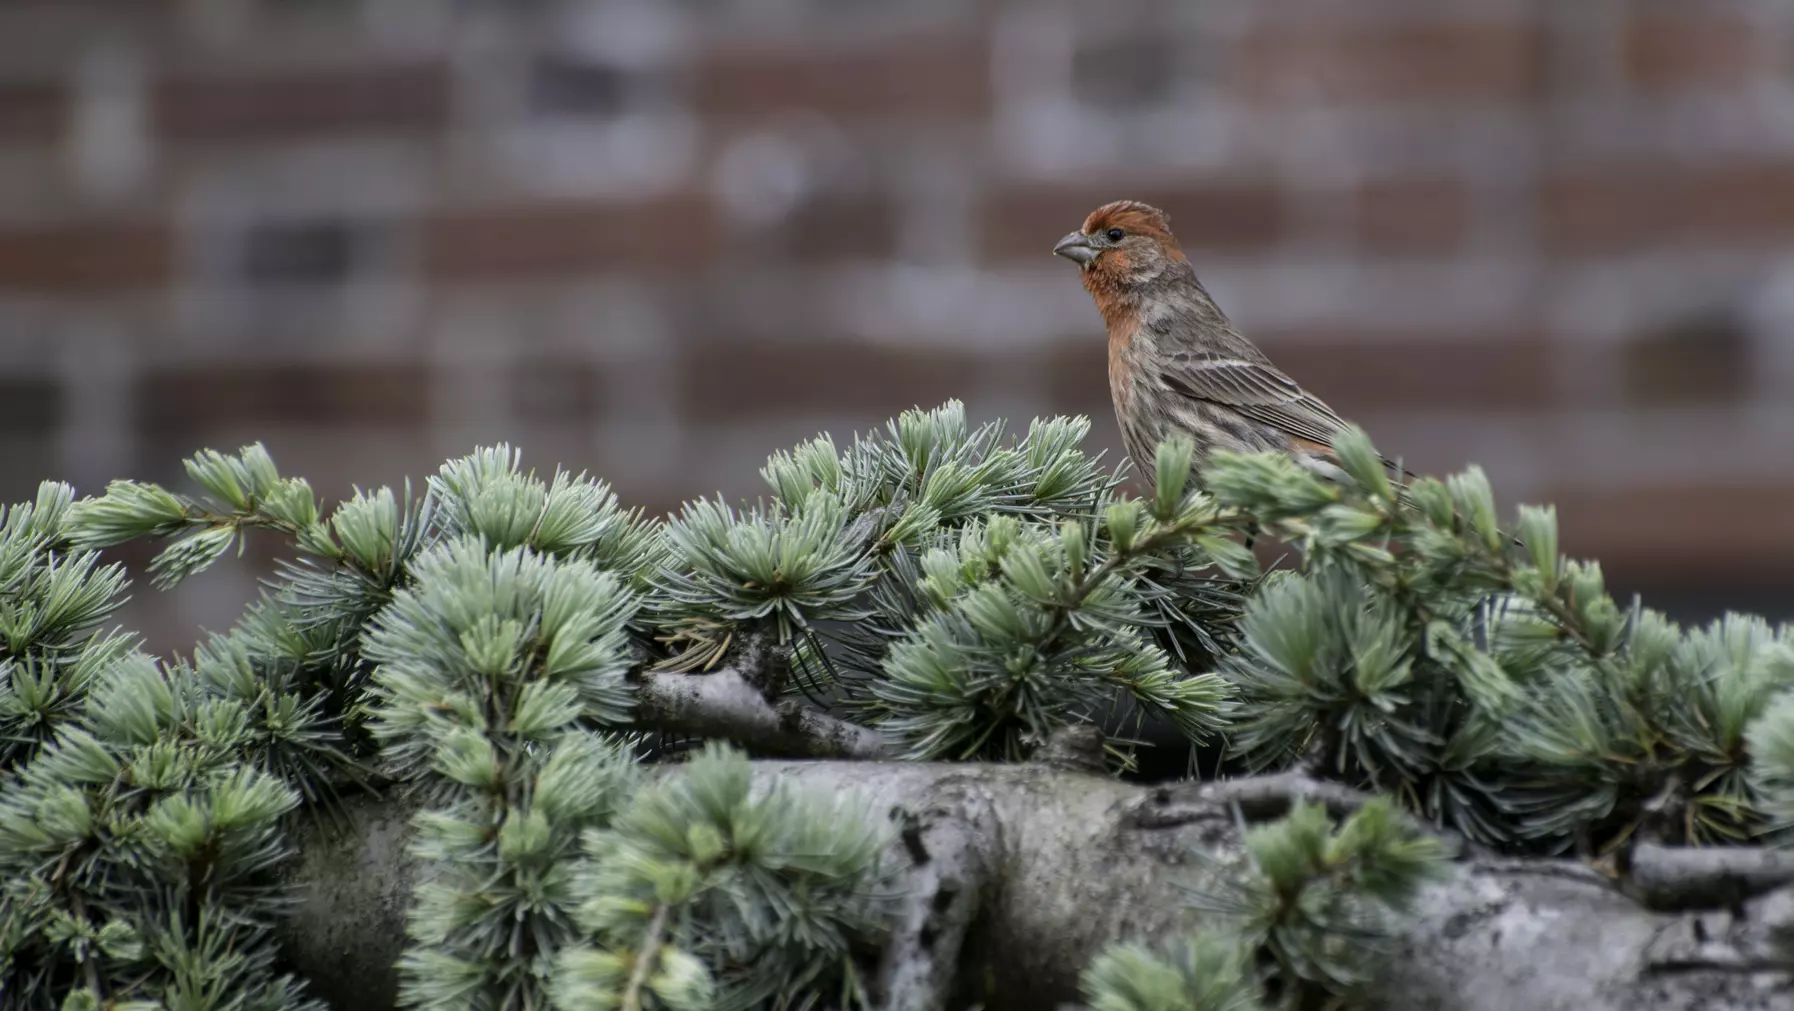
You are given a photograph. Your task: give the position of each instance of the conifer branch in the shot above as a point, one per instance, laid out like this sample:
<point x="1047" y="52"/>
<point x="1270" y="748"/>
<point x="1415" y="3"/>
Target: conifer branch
<point x="726" y="704"/>
<point x="1689" y="877"/>
<point x="645" y="957"/>
<point x="90" y="966"/>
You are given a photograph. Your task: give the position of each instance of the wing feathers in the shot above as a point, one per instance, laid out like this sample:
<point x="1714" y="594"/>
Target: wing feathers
<point x="1258" y="391"/>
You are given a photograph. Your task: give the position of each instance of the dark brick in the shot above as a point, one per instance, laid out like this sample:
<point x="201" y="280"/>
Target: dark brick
<point x="1693" y="50"/>
<point x="31" y="111"/>
<point x="1360" y="372"/>
<point x="554" y="238"/>
<point x="308" y="252"/>
<point x="829" y="228"/>
<point x="552" y="389"/>
<point x="735" y="380"/>
<point x="914" y="76"/>
<point x="1618" y="208"/>
<point x="81" y="258"/>
<point x="564" y="86"/>
<point x="1127" y="73"/>
<point x="1698" y="361"/>
<point x="1423" y="61"/>
<point x="189" y="402"/>
<point x="30" y="407"/>
<point x="272" y="106"/>
<point x="1222" y="215"/>
<point x="1411" y="216"/>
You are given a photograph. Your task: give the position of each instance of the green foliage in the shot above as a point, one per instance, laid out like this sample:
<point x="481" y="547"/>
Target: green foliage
<point x="487" y="926"/>
<point x="1483" y="680"/>
<point x="1206" y="971"/>
<point x="52" y="602"/>
<point x="137" y="800"/>
<point x="1318" y="900"/>
<point x="1315" y="904"/>
<point x="490" y="643"/>
<point x="487" y="495"/>
<point x="1016" y="634"/>
<point x="1770" y="742"/>
<point x="488" y="672"/>
<point x="241" y="491"/>
<point x="793" y="567"/>
<point x="1014" y="590"/>
<point x="135" y="846"/>
<point x="771" y="889"/>
<point x="961" y="590"/>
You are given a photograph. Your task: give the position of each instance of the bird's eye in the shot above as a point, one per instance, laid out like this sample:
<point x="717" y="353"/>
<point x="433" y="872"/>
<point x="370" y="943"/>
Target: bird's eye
<point x="1115" y="234"/>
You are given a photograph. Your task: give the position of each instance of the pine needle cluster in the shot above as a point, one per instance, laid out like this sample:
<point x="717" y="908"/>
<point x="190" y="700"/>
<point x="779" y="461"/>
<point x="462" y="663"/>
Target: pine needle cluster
<point x="1303" y="921"/>
<point x="1481" y="678"/>
<point x="142" y="803"/>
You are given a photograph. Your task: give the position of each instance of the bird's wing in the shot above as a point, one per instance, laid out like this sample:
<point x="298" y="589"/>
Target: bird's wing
<point x="1257" y="390"/>
<point x="1261" y="392"/>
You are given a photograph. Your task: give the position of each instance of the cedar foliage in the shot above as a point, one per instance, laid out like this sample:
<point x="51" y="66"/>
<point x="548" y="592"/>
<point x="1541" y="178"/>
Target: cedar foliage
<point x="963" y="592"/>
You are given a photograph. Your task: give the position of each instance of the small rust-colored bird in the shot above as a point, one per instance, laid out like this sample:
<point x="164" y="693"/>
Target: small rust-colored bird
<point x="1176" y="365"/>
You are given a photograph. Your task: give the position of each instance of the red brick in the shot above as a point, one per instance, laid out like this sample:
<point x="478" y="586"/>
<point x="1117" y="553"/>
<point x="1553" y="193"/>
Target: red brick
<point x="1229" y="216"/>
<point x="1620" y="208"/>
<point x="1415" y="61"/>
<point x="31" y="111"/>
<point x="740" y="379"/>
<point x="81" y="258"/>
<point x="547" y="239"/>
<point x="190" y="402"/>
<point x="273" y="106"/>
<point x="1405" y="217"/>
<point x="1359" y="372"/>
<point x="914" y="76"/>
<point x="1692" y="50"/>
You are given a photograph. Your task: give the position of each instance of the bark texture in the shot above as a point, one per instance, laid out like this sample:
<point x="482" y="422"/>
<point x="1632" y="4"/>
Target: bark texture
<point x="1019" y="873"/>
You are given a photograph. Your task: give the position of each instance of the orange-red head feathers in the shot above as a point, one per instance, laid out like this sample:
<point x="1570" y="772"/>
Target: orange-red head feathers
<point x="1133" y="218"/>
<point x="1122" y="245"/>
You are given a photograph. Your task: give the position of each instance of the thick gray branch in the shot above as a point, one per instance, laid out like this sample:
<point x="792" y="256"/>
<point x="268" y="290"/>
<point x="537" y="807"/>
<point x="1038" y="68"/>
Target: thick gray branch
<point x="1075" y="861"/>
<point x="949" y="849"/>
<point x="723" y="704"/>
<point x="1670" y="878"/>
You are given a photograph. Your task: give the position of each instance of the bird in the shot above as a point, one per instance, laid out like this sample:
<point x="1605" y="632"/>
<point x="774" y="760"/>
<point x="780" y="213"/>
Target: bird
<point x="1177" y="365"/>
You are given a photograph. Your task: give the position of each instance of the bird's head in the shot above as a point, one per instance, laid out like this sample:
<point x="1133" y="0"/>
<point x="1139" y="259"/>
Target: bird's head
<point x="1121" y="243"/>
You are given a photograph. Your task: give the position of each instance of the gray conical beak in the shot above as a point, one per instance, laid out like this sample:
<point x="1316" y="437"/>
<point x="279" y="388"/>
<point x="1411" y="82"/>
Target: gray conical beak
<point x="1076" y="247"/>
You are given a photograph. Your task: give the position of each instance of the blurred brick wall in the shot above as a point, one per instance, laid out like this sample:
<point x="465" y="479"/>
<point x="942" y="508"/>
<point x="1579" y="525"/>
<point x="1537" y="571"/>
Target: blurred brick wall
<point x="658" y="240"/>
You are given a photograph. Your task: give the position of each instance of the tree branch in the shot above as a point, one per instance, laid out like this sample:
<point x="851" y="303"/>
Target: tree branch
<point x="1677" y="877"/>
<point x="1070" y="867"/>
<point x="1262" y="798"/>
<point x="645" y="957"/>
<point x="951" y="849"/>
<point x="725" y="704"/>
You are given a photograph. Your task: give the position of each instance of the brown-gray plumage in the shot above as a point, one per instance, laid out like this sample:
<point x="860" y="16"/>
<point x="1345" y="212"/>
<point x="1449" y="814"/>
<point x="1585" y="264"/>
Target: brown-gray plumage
<point x="1176" y="364"/>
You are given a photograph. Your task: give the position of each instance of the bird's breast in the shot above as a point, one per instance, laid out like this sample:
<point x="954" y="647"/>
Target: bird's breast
<point x="1122" y="370"/>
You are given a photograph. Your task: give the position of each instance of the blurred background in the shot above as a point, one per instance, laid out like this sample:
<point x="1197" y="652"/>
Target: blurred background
<point x="658" y="240"/>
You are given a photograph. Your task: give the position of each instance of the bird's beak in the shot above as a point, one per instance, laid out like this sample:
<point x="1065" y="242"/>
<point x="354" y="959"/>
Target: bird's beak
<point x="1076" y="247"/>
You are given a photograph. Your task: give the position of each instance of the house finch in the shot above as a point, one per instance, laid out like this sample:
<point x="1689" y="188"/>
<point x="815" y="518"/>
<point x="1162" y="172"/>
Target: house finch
<point x="1176" y="365"/>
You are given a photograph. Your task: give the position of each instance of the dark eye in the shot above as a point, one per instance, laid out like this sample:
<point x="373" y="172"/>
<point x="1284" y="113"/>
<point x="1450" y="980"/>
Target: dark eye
<point x="1115" y="234"/>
